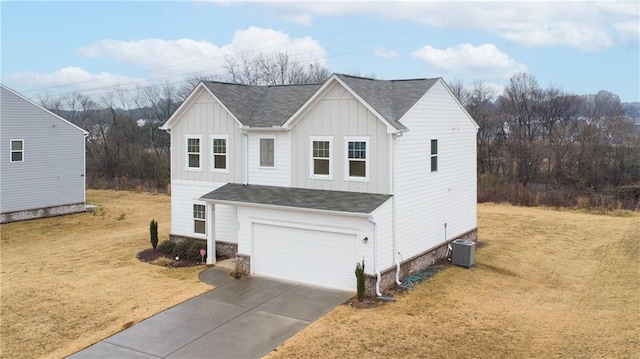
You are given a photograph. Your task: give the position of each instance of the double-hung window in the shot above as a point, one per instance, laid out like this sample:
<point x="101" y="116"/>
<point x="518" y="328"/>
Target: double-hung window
<point x="357" y="158"/>
<point x="17" y="150"/>
<point x="199" y="219"/>
<point x="434" y="155"/>
<point x="321" y="155"/>
<point x="220" y="153"/>
<point x="193" y="152"/>
<point x="267" y="152"/>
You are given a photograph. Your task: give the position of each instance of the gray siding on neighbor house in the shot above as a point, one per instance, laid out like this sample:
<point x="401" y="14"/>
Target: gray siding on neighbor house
<point x="52" y="172"/>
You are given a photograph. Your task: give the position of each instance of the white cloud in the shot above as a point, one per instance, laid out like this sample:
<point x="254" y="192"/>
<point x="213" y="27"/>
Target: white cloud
<point x="300" y="18"/>
<point x="81" y="78"/>
<point x="384" y="53"/>
<point x="485" y="61"/>
<point x="584" y="25"/>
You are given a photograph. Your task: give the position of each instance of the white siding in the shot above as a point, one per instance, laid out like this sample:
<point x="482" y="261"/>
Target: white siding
<point x="184" y="194"/>
<point x="357" y="226"/>
<point x="383" y="217"/>
<point x="337" y="113"/>
<point x="426" y="200"/>
<point x="52" y="172"/>
<point x="204" y="117"/>
<point x="280" y="175"/>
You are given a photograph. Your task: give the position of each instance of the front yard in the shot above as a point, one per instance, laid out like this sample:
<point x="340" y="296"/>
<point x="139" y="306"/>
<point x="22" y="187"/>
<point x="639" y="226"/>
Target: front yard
<point x="547" y="283"/>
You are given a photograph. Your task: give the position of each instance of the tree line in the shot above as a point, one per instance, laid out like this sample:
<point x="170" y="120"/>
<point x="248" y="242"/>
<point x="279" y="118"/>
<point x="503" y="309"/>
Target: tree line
<point x="535" y="145"/>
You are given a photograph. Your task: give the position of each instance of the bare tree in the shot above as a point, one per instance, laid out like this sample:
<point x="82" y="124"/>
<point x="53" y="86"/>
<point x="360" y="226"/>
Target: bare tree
<point x="277" y="68"/>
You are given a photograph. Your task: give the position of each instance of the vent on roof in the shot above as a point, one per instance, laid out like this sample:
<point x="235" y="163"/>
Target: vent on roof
<point x="463" y="252"/>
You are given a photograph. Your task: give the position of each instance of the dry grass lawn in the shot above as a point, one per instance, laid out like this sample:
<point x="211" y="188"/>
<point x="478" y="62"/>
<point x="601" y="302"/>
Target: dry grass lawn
<point x="548" y="284"/>
<point x="70" y="281"/>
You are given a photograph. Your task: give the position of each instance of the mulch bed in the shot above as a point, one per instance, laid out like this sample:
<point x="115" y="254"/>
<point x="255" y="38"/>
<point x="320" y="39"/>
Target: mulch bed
<point x="152" y="256"/>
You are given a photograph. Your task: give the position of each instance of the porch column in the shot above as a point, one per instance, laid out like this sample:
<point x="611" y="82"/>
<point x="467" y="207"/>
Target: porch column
<point x="211" y="233"/>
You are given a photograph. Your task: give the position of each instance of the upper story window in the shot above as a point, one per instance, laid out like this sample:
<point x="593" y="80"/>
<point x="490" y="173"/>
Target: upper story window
<point x="17" y="150"/>
<point x="199" y="219"/>
<point x="434" y="155"/>
<point x="220" y="153"/>
<point x="321" y="156"/>
<point x="193" y="152"/>
<point x="357" y="158"/>
<point x="267" y="152"/>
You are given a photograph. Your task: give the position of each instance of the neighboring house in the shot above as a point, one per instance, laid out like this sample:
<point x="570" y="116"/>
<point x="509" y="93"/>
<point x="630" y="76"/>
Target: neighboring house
<point x="302" y="181"/>
<point x="42" y="166"/>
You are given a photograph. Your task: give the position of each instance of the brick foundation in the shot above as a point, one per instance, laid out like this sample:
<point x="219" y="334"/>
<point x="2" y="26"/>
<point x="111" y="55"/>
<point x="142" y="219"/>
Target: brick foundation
<point x="225" y="249"/>
<point x="412" y="265"/>
<point x="42" y="212"/>
<point x="243" y="264"/>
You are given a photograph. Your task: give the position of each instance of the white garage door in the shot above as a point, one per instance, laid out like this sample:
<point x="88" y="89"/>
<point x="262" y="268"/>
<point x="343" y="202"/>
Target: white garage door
<point x="310" y="256"/>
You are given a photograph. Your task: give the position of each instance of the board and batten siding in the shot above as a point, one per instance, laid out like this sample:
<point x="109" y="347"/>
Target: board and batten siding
<point x="338" y="114"/>
<point x="280" y="174"/>
<point x="184" y="194"/>
<point x="311" y="220"/>
<point x="426" y="200"/>
<point x="53" y="167"/>
<point x="205" y="117"/>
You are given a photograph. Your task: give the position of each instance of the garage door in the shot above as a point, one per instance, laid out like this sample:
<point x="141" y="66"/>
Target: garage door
<point x="304" y="255"/>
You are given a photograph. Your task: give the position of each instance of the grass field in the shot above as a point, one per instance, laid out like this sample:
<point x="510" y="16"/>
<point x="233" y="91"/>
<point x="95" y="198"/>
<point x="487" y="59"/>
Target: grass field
<point x="67" y="282"/>
<point x="547" y="284"/>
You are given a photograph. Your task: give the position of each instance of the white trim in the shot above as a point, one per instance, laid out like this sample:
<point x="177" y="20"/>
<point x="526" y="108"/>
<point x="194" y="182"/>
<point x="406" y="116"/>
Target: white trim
<point x="366" y="161"/>
<point x="224" y="137"/>
<point x="186" y="153"/>
<point x="44" y="109"/>
<point x="185" y="182"/>
<point x="356" y="231"/>
<point x="11" y="150"/>
<point x="286" y="208"/>
<point x="329" y="139"/>
<point x="275" y="150"/>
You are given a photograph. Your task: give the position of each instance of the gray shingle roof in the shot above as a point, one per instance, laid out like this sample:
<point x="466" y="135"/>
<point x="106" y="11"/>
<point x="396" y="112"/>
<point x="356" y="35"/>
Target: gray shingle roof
<point x="268" y="106"/>
<point x="352" y="202"/>
<point x="261" y="106"/>
<point x="391" y="98"/>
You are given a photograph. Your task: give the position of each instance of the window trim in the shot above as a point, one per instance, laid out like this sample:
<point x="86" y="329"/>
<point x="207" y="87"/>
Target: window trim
<point x="367" y="162"/>
<point x="432" y="155"/>
<point x="194" y="219"/>
<point x="224" y="137"/>
<point x="12" y="151"/>
<point x="312" y="139"/>
<point x="275" y="142"/>
<point x="186" y="151"/>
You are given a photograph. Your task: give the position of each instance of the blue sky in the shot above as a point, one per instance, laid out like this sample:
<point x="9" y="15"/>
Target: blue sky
<point x="581" y="47"/>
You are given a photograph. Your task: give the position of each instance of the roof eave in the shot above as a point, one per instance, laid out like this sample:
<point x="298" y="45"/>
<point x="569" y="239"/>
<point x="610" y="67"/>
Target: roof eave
<point x="287" y="208"/>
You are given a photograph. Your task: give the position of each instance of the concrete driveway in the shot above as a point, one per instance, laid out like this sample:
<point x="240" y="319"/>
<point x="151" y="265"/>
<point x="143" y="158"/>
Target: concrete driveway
<point x="240" y="318"/>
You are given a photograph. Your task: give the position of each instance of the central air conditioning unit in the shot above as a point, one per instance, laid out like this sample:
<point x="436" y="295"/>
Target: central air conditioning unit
<point x="463" y="252"/>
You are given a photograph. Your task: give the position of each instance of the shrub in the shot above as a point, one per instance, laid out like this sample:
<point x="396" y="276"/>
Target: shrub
<point x="360" y="281"/>
<point x="193" y="251"/>
<point x="166" y="246"/>
<point x="181" y="249"/>
<point x="153" y="233"/>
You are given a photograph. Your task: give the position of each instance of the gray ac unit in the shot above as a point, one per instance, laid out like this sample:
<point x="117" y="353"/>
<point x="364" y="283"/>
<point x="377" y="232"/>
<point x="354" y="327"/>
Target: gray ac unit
<point x="463" y="252"/>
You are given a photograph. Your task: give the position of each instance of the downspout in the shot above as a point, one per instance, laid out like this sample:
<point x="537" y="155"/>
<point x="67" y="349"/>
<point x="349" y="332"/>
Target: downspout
<point x="375" y="256"/>
<point x="245" y="156"/>
<point x="393" y="204"/>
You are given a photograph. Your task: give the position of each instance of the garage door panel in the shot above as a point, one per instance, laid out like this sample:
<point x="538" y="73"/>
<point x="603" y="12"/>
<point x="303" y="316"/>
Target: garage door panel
<point x="320" y="257"/>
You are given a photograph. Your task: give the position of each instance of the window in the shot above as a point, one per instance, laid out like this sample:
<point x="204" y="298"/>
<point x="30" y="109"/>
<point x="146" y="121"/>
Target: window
<point x="199" y="219"/>
<point x="220" y="154"/>
<point x="357" y="161"/>
<point x="434" y="155"/>
<point x="193" y="152"/>
<point x="321" y="153"/>
<point x="17" y="150"/>
<point x="267" y="152"/>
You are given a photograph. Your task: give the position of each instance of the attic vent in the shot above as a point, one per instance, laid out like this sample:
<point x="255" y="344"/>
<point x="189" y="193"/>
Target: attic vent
<point x="463" y="252"/>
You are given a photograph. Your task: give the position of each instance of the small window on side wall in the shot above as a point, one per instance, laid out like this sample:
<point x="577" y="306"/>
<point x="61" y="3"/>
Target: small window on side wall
<point x="17" y="150"/>
<point x="199" y="219"/>
<point x="267" y="152"/>
<point x="434" y="155"/>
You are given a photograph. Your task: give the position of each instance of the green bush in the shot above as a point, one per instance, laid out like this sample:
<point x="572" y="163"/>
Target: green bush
<point x="166" y="246"/>
<point x="181" y="249"/>
<point x="360" y="281"/>
<point x="153" y="233"/>
<point x="193" y="252"/>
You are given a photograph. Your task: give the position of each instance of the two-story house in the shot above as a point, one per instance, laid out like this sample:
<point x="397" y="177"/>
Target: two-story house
<point x="302" y="181"/>
<point x="42" y="161"/>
